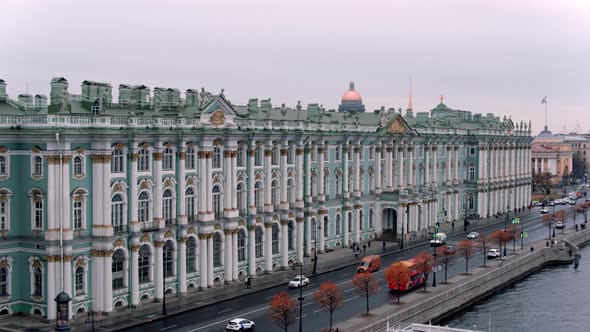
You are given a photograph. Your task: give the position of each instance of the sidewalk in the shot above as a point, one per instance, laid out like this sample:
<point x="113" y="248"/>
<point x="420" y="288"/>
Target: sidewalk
<point x="327" y="262"/>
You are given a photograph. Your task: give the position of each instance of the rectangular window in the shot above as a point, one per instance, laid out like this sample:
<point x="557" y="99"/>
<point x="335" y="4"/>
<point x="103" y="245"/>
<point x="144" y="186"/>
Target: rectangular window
<point x="291" y="156"/>
<point x="472" y="151"/>
<point x="3" y="216"/>
<point x="118" y="274"/>
<point x="189" y="162"/>
<point x="38" y="215"/>
<point x="78" y="215"/>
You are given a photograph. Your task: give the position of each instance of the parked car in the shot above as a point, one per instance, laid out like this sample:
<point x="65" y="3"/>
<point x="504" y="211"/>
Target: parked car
<point x="450" y="250"/>
<point x="559" y="225"/>
<point x="561" y="201"/>
<point x="572" y="202"/>
<point x="537" y="203"/>
<point x="240" y="324"/>
<point x="298" y="281"/>
<point x="473" y="235"/>
<point x="493" y="253"/>
<point x="551" y="203"/>
<point x="544" y="210"/>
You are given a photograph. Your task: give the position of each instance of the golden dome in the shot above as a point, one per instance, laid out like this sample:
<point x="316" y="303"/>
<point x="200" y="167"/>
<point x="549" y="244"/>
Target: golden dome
<point x="352" y="94"/>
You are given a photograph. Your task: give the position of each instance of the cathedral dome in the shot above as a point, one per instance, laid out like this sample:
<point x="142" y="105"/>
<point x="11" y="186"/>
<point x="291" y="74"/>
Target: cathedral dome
<point x="352" y="94"/>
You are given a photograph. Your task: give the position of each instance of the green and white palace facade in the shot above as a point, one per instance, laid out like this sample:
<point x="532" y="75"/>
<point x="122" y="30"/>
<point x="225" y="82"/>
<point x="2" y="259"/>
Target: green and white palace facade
<point x="117" y="202"/>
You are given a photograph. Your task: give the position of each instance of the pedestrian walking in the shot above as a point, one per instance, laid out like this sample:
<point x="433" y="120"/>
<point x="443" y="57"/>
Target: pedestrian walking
<point x="247" y="282"/>
<point x="383" y="246"/>
<point x="337" y="330"/>
<point x="356" y="254"/>
<point x="369" y="244"/>
<point x="453" y="226"/>
<point x="364" y="249"/>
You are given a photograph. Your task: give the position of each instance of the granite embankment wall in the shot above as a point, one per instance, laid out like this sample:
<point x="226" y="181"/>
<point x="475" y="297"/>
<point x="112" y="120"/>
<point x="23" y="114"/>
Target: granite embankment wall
<point x="465" y="290"/>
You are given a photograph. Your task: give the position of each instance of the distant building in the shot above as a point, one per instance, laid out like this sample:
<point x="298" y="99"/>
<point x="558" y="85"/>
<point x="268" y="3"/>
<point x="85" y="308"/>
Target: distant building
<point x="551" y="153"/>
<point x="351" y="101"/>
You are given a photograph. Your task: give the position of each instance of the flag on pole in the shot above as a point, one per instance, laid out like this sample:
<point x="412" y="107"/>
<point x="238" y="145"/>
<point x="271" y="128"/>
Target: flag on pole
<point x="544" y="100"/>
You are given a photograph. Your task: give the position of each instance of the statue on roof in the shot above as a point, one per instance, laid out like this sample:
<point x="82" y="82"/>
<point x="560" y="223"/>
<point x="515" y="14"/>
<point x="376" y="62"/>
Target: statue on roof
<point x="157" y="103"/>
<point x="204" y="97"/>
<point x="221" y="93"/>
<point x="65" y="101"/>
<point x="299" y="105"/>
<point x="383" y="118"/>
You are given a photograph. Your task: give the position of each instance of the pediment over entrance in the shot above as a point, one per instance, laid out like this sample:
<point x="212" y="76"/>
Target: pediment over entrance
<point x="398" y="126"/>
<point x="218" y="113"/>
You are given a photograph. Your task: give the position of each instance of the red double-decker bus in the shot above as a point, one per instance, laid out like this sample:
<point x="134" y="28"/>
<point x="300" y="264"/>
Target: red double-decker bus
<point x="416" y="278"/>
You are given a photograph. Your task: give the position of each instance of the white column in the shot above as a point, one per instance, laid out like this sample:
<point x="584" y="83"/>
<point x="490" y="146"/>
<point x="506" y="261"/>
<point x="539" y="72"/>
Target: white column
<point x="402" y="230"/>
<point x="300" y="239"/>
<point x="357" y="172"/>
<point x="234" y="238"/>
<point x="203" y="260"/>
<point x="449" y="165"/>
<point x="300" y="170"/>
<point x="284" y="244"/>
<point x="345" y="229"/>
<point x="307" y="156"/>
<point x="209" y="192"/>
<point x="268" y="245"/>
<point x="457" y="165"/>
<point x="426" y="165"/>
<point x="157" y="194"/>
<point x="229" y="189"/>
<point x="321" y="193"/>
<point x="388" y="168"/>
<point x="182" y="217"/>
<point x="268" y="180"/>
<point x="159" y="271"/>
<point x="252" y="251"/>
<point x="108" y="281"/>
<point x="284" y="204"/>
<point x="378" y="179"/>
<point x="410" y="167"/>
<point x="210" y="260"/>
<point x="435" y="164"/>
<point x="229" y="270"/>
<point x="182" y="265"/>
<point x="355" y="225"/>
<point x="134" y="275"/>
<point x="345" y="152"/>
<point x="51" y="290"/>
<point x="308" y="236"/>
<point x="97" y="191"/>
<point x="202" y="185"/>
<point x="234" y="184"/>
<point x="133" y="185"/>
<point x="400" y="163"/>
<point x="320" y="232"/>
<point x="252" y="202"/>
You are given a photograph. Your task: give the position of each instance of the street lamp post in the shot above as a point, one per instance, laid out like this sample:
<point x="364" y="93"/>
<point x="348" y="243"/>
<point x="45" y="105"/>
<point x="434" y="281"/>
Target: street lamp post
<point x="401" y="244"/>
<point x="434" y="266"/>
<point x="506" y="224"/>
<point x="315" y="248"/>
<point x="300" y="298"/>
<point x="164" y="311"/>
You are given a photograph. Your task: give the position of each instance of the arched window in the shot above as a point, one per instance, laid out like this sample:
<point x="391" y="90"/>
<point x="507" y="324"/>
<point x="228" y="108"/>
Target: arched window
<point x="78" y="165"/>
<point x="241" y="197"/>
<point x="143" y="204"/>
<point x="291" y="236"/>
<point x="80" y="284"/>
<point x="217" y="249"/>
<point x="337" y="153"/>
<point x="276" y="153"/>
<point x="117" y="213"/>
<point x="216" y="162"/>
<point x="38" y="282"/>
<point x="314" y="230"/>
<point x="77" y="210"/>
<point x="38" y="166"/>
<point x="326" y="226"/>
<point x="168" y="159"/>
<point x="118" y="269"/>
<point x="258" y="241"/>
<point x="144" y="264"/>
<point x="217" y="202"/>
<point x="169" y="259"/>
<point x="371" y="217"/>
<point x="470" y="202"/>
<point x="189" y="162"/>
<point x="290" y="191"/>
<point x="361" y="220"/>
<point x="4" y="275"/>
<point x="275" y="238"/>
<point x="167" y="207"/>
<point x="241" y="245"/>
<point x="3" y="168"/>
<point x="191" y="255"/>
<point x="326" y="185"/>
<point x="471" y="173"/>
<point x="338" y="224"/>
<point x="314" y="185"/>
<point x="349" y="222"/>
<point x="241" y="156"/>
<point x="258" y="156"/>
<point x="371" y="183"/>
<point x="258" y="200"/>
<point x="291" y="155"/>
<point x="117" y="162"/>
<point x="189" y="199"/>
<point x="274" y="190"/>
<point x="350" y="181"/>
<point x="143" y="164"/>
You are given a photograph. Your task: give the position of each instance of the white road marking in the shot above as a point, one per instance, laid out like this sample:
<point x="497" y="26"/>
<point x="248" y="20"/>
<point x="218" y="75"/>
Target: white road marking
<point x="169" y="327"/>
<point x="302" y="316"/>
<point x="352" y="298"/>
<point x="315" y="312"/>
<point x="201" y="302"/>
<point x="222" y="311"/>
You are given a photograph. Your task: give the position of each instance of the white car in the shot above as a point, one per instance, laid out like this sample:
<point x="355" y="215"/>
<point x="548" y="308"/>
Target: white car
<point x="298" y="281"/>
<point x="544" y="210"/>
<point x="493" y="253"/>
<point x="240" y="324"/>
<point x="473" y="235"/>
<point x="559" y="225"/>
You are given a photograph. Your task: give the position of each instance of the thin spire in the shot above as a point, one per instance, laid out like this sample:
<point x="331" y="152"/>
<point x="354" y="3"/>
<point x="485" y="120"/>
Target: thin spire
<point x="410" y="103"/>
<point x="351" y="85"/>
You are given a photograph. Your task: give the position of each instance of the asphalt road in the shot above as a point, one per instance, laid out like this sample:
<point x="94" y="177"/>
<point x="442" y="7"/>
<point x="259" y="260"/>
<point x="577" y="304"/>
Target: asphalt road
<point x="255" y="306"/>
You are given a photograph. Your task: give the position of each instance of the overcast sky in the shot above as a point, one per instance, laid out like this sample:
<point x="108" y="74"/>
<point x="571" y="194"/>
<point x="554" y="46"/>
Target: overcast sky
<point x="499" y="56"/>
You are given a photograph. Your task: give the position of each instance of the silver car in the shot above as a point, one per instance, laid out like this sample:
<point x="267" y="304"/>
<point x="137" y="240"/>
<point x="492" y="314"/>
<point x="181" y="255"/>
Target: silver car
<point x="473" y="235"/>
<point x="240" y="324"/>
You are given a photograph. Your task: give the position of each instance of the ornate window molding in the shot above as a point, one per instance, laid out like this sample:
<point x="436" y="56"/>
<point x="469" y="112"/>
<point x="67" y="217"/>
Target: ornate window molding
<point x="37" y="199"/>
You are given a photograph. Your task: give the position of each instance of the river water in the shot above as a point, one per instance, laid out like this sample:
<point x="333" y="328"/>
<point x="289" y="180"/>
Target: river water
<point x="552" y="299"/>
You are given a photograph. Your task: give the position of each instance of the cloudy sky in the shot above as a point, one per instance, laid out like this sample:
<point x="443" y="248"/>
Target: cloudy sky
<point x="499" y="56"/>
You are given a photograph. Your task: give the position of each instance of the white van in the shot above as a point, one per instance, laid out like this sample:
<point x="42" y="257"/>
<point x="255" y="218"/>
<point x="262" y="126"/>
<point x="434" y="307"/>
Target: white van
<point x="438" y="239"/>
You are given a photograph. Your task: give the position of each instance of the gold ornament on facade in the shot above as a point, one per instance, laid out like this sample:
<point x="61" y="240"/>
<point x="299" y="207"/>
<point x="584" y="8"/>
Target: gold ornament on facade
<point x="358" y="206"/>
<point x="134" y="157"/>
<point x="168" y="183"/>
<point x="119" y="243"/>
<point x="299" y="220"/>
<point x="259" y="220"/>
<point x="217" y="118"/>
<point x="191" y="230"/>
<point x="68" y="258"/>
<point x="275" y="217"/>
<point x="37" y="263"/>
<point x="145" y="238"/>
<point x="35" y="149"/>
<point x="168" y="234"/>
<point x="4" y="264"/>
<point x="117" y="187"/>
<point x="217" y="227"/>
<point x="159" y="244"/>
<point x="182" y="155"/>
<point x="284" y="222"/>
<point x="267" y="224"/>
<point x="144" y="184"/>
<point x="135" y="247"/>
<point x="299" y="152"/>
<point x="290" y="215"/>
<point x="144" y="145"/>
<point x="242" y="223"/>
<point x="3" y="149"/>
<point x="81" y="262"/>
<point x="158" y="156"/>
<point x="227" y="231"/>
<point x="183" y="239"/>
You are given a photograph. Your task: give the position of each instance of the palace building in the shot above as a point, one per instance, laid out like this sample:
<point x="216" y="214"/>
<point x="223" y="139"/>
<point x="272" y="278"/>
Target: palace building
<point x="117" y="202"/>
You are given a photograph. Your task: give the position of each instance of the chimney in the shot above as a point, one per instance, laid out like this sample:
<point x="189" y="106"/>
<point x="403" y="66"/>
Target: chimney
<point x="2" y="90"/>
<point x="192" y="98"/>
<point x="58" y="85"/>
<point x="26" y="100"/>
<point x="40" y="101"/>
<point x="124" y="95"/>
